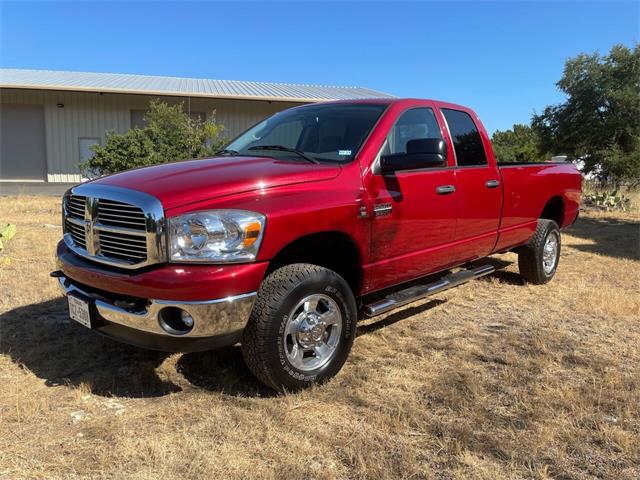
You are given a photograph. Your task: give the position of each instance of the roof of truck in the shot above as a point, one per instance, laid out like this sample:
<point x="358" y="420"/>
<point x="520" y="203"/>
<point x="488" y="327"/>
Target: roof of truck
<point x="396" y="100"/>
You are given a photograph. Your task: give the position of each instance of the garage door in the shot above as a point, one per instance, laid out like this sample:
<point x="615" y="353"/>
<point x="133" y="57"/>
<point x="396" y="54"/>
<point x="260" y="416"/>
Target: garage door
<point x="22" y="152"/>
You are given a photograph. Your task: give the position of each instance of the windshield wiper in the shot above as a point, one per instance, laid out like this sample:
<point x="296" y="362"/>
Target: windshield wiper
<point x="282" y="148"/>
<point x="226" y="151"/>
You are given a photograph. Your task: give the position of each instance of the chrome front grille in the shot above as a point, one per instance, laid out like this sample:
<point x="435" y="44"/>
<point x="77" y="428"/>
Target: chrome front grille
<point x="75" y="206"/>
<point x="114" y="225"/>
<point x="125" y="247"/>
<point x="77" y="233"/>
<point x="118" y="214"/>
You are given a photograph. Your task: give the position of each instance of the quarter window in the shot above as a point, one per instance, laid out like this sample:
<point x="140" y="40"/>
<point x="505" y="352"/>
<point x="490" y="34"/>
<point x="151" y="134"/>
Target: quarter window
<point x="466" y="138"/>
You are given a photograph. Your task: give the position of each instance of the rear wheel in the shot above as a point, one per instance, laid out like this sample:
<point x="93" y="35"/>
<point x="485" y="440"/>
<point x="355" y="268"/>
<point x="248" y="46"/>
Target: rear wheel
<point x="301" y="328"/>
<point x="538" y="259"/>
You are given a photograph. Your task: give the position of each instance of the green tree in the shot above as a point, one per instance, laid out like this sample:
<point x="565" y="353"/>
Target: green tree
<point x="518" y="144"/>
<point x="599" y="122"/>
<point x="170" y="135"/>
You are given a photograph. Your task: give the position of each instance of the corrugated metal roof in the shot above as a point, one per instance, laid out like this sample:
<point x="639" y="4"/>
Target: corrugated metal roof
<point x="175" y="86"/>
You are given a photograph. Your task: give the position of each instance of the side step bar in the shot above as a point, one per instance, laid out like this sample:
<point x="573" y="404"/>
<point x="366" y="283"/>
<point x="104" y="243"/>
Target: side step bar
<point x="411" y="294"/>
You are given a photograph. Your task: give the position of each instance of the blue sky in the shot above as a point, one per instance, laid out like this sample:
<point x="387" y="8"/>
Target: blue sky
<point x="500" y="58"/>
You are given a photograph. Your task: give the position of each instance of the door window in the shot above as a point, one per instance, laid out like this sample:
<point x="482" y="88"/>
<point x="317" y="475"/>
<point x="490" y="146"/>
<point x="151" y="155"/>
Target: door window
<point x="412" y="124"/>
<point x="466" y="138"/>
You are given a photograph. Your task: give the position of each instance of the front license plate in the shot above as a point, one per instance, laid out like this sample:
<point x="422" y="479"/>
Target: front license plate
<point x="79" y="310"/>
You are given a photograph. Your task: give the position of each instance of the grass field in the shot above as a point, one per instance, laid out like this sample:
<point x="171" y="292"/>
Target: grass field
<point x="493" y="380"/>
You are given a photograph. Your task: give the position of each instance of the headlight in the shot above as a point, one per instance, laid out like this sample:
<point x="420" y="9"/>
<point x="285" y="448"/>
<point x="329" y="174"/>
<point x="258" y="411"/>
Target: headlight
<point x="216" y="236"/>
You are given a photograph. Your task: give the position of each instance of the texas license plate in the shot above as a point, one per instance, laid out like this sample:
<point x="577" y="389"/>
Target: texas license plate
<point x="79" y="310"/>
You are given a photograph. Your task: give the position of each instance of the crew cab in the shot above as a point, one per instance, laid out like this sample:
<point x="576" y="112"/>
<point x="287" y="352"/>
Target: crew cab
<point x="280" y="240"/>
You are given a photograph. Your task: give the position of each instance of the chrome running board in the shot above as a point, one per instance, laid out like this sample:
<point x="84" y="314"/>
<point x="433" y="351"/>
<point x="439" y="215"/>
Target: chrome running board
<point x="416" y="292"/>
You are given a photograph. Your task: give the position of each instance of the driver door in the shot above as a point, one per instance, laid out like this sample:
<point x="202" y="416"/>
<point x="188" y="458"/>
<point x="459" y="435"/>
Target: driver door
<point x="414" y="211"/>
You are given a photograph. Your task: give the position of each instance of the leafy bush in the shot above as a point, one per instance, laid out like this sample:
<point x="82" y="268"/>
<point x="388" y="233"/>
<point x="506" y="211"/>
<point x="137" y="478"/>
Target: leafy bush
<point x="170" y="135"/>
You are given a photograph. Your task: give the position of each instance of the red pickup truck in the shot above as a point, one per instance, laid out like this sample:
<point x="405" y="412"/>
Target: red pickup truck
<point x="278" y="242"/>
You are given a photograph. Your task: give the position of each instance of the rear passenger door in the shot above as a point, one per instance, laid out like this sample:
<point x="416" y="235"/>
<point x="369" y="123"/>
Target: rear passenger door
<point x="478" y="188"/>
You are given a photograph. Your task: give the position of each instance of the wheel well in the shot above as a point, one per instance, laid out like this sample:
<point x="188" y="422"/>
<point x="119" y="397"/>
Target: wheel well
<point x="333" y="250"/>
<point x="553" y="210"/>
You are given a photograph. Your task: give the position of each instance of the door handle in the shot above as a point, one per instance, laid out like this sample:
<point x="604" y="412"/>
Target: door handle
<point x="492" y="184"/>
<point x="445" y="189"/>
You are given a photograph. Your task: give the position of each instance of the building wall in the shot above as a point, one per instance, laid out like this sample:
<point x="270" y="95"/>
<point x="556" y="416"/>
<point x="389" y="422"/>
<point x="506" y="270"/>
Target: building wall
<point x="91" y="115"/>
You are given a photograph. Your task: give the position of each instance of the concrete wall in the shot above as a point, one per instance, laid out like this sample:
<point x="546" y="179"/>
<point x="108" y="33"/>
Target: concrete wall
<point x="91" y="115"/>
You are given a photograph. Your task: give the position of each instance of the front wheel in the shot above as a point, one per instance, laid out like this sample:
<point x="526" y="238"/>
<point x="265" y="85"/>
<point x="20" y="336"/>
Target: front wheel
<point x="301" y="328"/>
<point x="538" y="259"/>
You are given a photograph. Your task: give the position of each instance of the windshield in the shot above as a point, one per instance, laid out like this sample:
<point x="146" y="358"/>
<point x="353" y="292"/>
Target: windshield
<point x="322" y="133"/>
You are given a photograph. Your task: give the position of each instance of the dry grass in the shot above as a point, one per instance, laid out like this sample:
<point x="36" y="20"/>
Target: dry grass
<point x="494" y="379"/>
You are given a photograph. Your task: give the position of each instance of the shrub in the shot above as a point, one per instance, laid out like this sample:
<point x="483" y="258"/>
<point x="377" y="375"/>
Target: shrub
<point x="170" y="135"/>
<point x="607" y="197"/>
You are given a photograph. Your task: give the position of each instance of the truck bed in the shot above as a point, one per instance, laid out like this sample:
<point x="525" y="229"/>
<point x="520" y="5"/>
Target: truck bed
<point x="529" y="189"/>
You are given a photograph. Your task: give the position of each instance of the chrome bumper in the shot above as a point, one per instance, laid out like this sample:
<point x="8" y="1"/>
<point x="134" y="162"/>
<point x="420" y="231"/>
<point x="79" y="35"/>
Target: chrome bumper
<point x="212" y="318"/>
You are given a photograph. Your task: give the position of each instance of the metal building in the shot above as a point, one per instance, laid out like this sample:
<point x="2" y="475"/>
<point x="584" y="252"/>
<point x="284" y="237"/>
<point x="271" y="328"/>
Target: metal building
<point x="49" y="119"/>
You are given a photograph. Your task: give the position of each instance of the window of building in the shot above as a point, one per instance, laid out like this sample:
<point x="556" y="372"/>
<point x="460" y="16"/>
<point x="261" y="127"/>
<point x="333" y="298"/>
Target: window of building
<point x="466" y="138"/>
<point x="201" y="116"/>
<point x="84" y="145"/>
<point x="138" y="119"/>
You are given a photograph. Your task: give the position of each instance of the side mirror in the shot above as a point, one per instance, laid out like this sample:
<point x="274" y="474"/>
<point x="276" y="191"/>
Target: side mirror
<point x="421" y="153"/>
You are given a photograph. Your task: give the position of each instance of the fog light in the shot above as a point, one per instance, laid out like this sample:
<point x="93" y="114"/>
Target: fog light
<point x="186" y="318"/>
<point x="175" y="321"/>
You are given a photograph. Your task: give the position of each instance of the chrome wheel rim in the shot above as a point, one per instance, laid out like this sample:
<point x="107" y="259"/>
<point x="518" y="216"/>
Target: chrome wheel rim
<point x="550" y="252"/>
<point x="312" y="332"/>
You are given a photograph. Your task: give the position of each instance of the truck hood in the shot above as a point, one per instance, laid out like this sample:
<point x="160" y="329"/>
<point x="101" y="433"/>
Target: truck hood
<point x="181" y="183"/>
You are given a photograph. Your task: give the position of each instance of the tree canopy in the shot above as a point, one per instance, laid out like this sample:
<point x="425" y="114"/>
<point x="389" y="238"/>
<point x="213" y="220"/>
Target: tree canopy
<point x="518" y="144"/>
<point x="170" y="135"/>
<point x="599" y="122"/>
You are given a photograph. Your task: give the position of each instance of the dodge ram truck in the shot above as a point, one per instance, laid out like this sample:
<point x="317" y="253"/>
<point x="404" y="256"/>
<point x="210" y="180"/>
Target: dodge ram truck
<point x="279" y="241"/>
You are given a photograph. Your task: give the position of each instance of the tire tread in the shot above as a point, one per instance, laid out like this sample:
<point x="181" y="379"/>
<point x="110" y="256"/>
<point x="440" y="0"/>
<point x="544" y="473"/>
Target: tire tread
<point x="529" y="255"/>
<point x="273" y="290"/>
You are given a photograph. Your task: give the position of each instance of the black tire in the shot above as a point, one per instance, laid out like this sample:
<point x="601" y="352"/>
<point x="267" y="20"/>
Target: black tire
<point x="531" y="255"/>
<point x="263" y="344"/>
